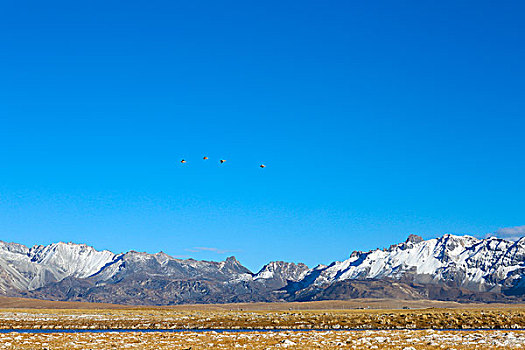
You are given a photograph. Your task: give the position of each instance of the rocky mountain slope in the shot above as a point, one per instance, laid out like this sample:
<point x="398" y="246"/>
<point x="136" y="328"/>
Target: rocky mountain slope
<point x="67" y="271"/>
<point x="23" y="268"/>
<point x="450" y="268"/>
<point x="478" y="265"/>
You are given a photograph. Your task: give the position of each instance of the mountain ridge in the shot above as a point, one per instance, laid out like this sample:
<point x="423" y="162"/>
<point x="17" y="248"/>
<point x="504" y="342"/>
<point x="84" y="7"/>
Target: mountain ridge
<point x="447" y="267"/>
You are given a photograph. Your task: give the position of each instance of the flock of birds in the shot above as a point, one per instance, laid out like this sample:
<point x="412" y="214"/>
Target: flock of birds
<point x="220" y="161"/>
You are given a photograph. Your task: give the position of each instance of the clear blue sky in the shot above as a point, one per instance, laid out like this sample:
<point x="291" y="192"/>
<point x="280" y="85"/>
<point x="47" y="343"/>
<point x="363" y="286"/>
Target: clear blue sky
<point x="375" y="119"/>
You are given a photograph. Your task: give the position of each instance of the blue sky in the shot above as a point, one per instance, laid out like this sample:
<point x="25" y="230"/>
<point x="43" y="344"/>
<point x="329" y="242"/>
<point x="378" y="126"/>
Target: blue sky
<point x="375" y="120"/>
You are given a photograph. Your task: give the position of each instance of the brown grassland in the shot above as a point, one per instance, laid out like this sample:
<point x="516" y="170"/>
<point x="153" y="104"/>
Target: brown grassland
<point x="405" y="340"/>
<point x="355" y="324"/>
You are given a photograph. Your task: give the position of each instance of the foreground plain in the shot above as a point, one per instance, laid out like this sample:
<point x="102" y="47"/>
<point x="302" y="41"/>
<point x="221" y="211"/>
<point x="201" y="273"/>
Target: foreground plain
<point x="405" y="340"/>
<point x="209" y="318"/>
<point x="355" y="324"/>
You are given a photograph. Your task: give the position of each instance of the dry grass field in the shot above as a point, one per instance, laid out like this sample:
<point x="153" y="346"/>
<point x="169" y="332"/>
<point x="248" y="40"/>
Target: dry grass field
<point x="357" y="324"/>
<point x="432" y="318"/>
<point x="27" y="303"/>
<point x="405" y="340"/>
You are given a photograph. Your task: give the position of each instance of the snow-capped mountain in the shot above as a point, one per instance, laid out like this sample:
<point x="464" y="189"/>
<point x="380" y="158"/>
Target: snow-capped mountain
<point x="26" y="268"/>
<point x="482" y="265"/>
<point x="278" y="274"/>
<point x="451" y="267"/>
<point x="282" y="270"/>
<point x="68" y="271"/>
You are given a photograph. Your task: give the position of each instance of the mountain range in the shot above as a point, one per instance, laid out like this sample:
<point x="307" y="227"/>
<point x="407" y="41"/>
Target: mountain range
<point x="461" y="268"/>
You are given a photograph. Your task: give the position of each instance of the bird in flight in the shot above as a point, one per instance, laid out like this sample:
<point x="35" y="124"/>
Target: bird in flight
<point x="222" y="161"/>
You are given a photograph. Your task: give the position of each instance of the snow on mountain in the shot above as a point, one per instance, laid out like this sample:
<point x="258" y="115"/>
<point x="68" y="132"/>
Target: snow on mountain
<point x="67" y="271"/>
<point x="464" y="261"/>
<point x="162" y="265"/>
<point x="26" y="268"/>
<point x="282" y="270"/>
<point x="69" y="259"/>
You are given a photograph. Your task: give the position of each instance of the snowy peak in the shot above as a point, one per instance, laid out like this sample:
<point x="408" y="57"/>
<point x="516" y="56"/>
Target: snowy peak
<point x="414" y="239"/>
<point x="29" y="269"/>
<point x="32" y="268"/>
<point x="14" y="248"/>
<point x="70" y="271"/>
<point x="71" y="260"/>
<point x="143" y="265"/>
<point x="285" y="271"/>
<point x="464" y="261"/>
<point x="232" y="265"/>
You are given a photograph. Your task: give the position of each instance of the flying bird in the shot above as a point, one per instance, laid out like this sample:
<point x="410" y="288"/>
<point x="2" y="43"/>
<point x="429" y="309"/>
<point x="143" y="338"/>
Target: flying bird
<point x="221" y="161"/>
